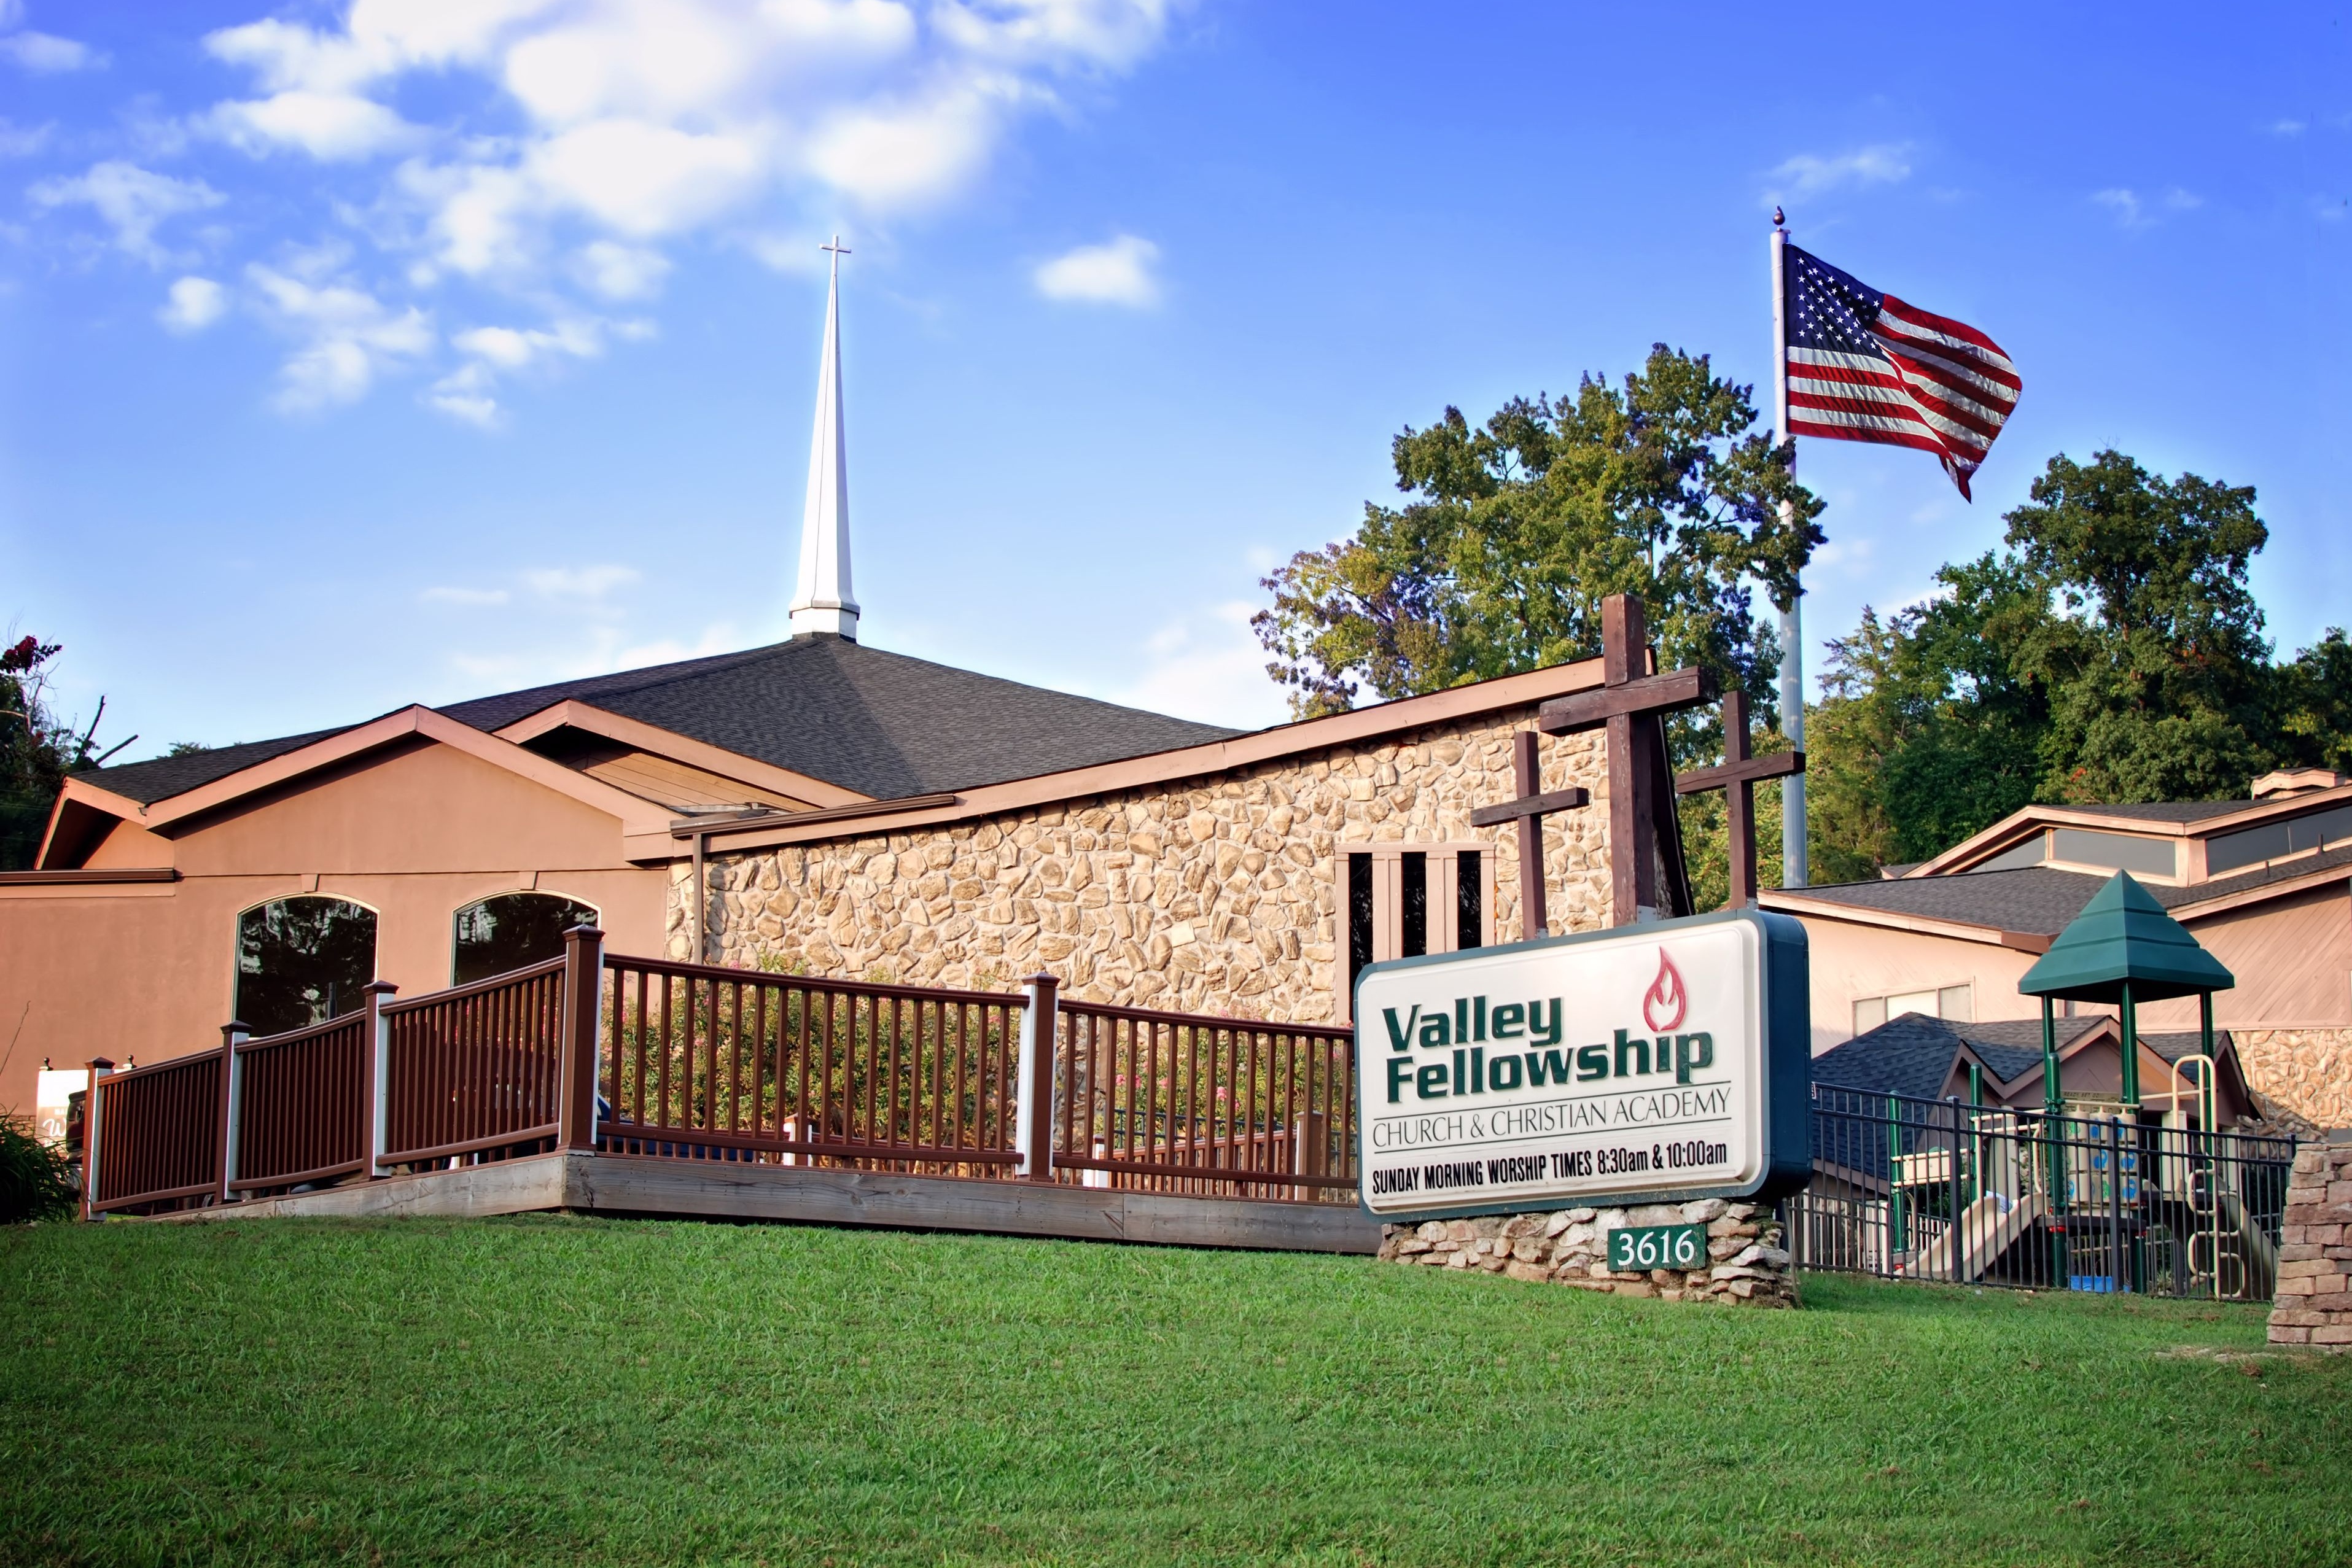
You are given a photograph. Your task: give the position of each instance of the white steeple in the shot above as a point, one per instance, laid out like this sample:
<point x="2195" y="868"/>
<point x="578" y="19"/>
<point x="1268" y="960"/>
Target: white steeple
<point x="823" y="602"/>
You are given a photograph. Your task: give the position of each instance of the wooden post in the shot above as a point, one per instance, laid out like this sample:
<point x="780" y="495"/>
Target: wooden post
<point x="1039" y="1036"/>
<point x="1632" y="834"/>
<point x="1737" y="777"/>
<point x="234" y="1033"/>
<point x="1529" y="812"/>
<point x="1628" y="708"/>
<point x="584" y="999"/>
<point x="375" y="1072"/>
<point x="98" y="1068"/>
<point x="1526" y="773"/>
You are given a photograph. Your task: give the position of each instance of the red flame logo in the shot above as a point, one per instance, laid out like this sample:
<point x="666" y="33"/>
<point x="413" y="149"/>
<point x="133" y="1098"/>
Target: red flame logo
<point x="1663" y="1004"/>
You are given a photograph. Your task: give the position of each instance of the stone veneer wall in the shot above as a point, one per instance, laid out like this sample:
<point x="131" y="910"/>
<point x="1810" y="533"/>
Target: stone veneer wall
<point x="1746" y="1263"/>
<point x="2305" y="1071"/>
<point x="1213" y="894"/>
<point x="2314" y="1305"/>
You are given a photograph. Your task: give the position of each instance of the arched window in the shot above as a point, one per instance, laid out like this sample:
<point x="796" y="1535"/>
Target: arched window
<point x="512" y="930"/>
<point x="302" y="961"/>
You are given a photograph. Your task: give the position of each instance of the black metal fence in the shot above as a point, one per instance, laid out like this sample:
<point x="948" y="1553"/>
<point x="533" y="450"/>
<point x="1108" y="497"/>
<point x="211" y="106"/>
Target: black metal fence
<point x="1936" y="1190"/>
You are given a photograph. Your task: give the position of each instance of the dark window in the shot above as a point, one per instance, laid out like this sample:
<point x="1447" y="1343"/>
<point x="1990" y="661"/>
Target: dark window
<point x="1359" y="917"/>
<point x="2018" y="856"/>
<point x="512" y="930"/>
<point x="302" y="961"/>
<point x="1415" y="935"/>
<point x="2272" y="840"/>
<point x="1470" y="900"/>
<point x="2116" y="852"/>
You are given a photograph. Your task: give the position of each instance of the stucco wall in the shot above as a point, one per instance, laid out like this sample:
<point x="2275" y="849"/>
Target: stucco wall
<point x="148" y="970"/>
<point x="1850" y="961"/>
<point x="1213" y="894"/>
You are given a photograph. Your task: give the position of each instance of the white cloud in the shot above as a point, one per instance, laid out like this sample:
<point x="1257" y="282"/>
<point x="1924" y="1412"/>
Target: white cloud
<point x="1851" y="557"/>
<point x="651" y="117"/>
<point x="2133" y="212"/>
<point x="1118" y="273"/>
<point x="464" y="598"/>
<point x="192" y="305"/>
<point x="2286" y="127"/>
<point x="606" y="650"/>
<point x="1208" y="666"/>
<point x="620" y="271"/>
<point x="46" y="55"/>
<point x="1812" y="174"/>
<point x="345" y="336"/>
<point x="22" y="141"/>
<point x="578" y="582"/>
<point x="464" y="395"/>
<point x="2124" y="203"/>
<point x="467" y="393"/>
<point x="328" y="126"/>
<point x="133" y="201"/>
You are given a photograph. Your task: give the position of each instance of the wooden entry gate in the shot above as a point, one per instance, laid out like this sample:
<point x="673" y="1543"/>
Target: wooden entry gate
<point x="593" y="1053"/>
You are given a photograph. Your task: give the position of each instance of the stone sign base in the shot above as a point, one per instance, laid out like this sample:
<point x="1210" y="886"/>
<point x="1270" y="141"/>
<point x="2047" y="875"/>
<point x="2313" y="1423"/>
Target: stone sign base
<point x="1746" y="1265"/>
<point x="2314" y="1305"/>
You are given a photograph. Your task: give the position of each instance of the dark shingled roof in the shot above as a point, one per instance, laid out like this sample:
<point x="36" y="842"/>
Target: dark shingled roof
<point x="2041" y="900"/>
<point x="881" y="724"/>
<point x="164" y="777"/>
<point x="1913" y="1055"/>
<point x="2168" y="810"/>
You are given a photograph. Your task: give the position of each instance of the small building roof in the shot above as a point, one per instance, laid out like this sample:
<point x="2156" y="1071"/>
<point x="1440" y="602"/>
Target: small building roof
<point x="2125" y="939"/>
<point x="2037" y="901"/>
<point x="1913" y="1055"/>
<point x="1922" y="1058"/>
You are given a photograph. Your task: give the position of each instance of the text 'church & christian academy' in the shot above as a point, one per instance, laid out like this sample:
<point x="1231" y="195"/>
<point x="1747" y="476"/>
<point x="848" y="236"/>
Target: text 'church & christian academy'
<point x="824" y="806"/>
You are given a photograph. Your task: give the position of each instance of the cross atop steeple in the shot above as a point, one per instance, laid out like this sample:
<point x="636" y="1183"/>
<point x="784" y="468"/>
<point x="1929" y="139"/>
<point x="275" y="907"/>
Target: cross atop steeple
<point x="823" y="604"/>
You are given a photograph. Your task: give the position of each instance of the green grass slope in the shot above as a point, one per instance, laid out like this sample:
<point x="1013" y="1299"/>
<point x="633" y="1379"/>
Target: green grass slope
<point x="552" y="1390"/>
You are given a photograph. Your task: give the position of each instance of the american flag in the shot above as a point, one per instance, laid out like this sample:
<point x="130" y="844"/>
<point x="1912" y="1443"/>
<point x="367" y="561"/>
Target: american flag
<point x="1865" y="366"/>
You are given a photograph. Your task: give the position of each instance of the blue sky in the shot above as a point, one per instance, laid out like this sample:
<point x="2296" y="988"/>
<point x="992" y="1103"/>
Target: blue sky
<point x="358" y="355"/>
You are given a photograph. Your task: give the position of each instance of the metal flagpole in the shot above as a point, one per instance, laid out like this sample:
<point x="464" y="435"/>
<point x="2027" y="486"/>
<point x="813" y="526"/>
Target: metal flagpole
<point x="1792" y="619"/>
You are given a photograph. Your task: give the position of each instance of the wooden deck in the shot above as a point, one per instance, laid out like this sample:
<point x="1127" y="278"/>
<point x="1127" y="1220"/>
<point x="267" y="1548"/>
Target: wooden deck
<point x="620" y="1185"/>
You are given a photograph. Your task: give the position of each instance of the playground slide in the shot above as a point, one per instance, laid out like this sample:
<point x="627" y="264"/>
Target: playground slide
<point x="1985" y="1229"/>
<point x="2261" y="1258"/>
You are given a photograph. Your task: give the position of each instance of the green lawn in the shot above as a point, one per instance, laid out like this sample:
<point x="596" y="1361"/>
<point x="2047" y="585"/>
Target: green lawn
<point x="602" y="1391"/>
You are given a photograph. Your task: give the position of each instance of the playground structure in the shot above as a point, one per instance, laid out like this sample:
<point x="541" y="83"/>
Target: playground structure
<point x="1941" y="1190"/>
<point x="2138" y="1194"/>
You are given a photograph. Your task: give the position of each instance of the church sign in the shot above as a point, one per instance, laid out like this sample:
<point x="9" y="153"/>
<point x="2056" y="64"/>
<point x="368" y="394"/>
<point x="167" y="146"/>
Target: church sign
<point x="1654" y="1063"/>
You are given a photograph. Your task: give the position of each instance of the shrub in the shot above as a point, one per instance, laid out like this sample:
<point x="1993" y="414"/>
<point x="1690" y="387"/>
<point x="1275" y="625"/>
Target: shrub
<point x="37" y="1179"/>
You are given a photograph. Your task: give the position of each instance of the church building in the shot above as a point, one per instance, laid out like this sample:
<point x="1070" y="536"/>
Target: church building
<point x="818" y="806"/>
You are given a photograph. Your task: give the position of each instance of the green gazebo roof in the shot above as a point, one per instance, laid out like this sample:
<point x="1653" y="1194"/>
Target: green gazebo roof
<point x="2123" y="933"/>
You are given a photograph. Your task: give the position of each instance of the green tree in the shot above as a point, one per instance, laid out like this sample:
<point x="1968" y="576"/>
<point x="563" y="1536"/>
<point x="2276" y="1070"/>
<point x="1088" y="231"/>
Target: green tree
<point x="1518" y="529"/>
<point x="38" y="749"/>
<point x="1515" y="531"/>
<point x="2113" y="653"/>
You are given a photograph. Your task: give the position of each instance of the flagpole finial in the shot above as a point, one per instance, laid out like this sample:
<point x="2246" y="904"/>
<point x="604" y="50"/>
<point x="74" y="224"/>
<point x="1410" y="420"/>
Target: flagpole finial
<point x="1779" y="221"/>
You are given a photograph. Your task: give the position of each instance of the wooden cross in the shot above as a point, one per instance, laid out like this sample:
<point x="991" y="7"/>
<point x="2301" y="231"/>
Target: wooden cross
<point x="1738" y="777"/>
<point x="1630" y="706"/>
<point x="1529" y="811"/>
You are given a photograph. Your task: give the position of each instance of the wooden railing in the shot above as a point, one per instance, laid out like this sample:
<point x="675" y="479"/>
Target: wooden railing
<point x="702" y="1063"/>
<point x="588" y="1052"/>
<point x="477" y="1069"/>
<point x="156" y="1141"/>
<point x="1177" y="1102"/>
<point x="300" y="1100"/>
